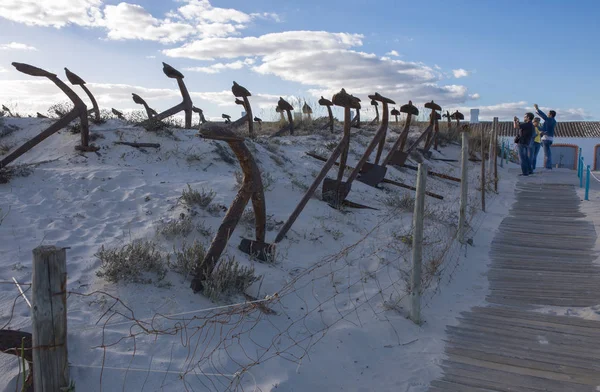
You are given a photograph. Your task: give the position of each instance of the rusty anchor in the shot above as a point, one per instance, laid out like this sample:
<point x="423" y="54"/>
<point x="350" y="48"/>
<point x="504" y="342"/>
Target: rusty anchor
<point x="264" y="251"/>
<point x="455" y="116"/>
<point x="241" y="92"/>
<point x="285" y="106"/>
<point x="7" y="110"/>
<point x="373" y="173"/>
<point x="76" y="80"/>
<point x="398" y="156"/>
<point x="328" y="104"/>
<point x="259" y="122"/>
<point x="432" y="137"/>
<point x="252" y="188"/>
<point x="79" y="110"/>
<point x="335" y="191"/>
<point x="227" y="118"/>
<point x="149" y="111"/>
<point x="307" y="110"/>
<point x="118" y="114"/>
<point x="376" y="105"/>
<point x="200" y="113"/>
<point x="363" y="166"/>
<point x="395" y="113"/>
<point x="281" y="116"/>
<point x="185" y="105"/>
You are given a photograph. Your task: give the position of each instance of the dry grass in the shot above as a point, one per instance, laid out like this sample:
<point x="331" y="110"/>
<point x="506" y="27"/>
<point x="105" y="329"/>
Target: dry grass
<point x="137" y="262"/>
<point x="228" y="279"/>
<point x="200" y="198"/>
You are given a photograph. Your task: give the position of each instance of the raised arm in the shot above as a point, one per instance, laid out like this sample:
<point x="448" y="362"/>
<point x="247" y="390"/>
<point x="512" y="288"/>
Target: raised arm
<point x="541" y="114"/>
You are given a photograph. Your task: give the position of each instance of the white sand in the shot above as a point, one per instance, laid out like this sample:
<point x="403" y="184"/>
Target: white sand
<point x="333" y="307"/>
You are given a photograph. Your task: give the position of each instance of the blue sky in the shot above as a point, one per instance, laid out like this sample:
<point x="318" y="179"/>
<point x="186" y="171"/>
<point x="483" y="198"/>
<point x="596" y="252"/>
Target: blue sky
<point x="499" y="56"/>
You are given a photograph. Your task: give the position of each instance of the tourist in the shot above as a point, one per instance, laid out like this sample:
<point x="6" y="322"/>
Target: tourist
<point x="523" y="139"/>
<point x="547" y="133"/>
<point x="535" y="143"/>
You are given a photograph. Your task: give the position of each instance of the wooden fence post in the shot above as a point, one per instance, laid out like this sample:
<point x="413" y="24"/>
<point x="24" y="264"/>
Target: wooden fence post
<point x="417" y="249"/>
<point x="491" y="156"/>
<point x="464" y="187"/>
<point x="482" y="172"/>
<point x="49" y="319"/>
<point x="495" y="135"/>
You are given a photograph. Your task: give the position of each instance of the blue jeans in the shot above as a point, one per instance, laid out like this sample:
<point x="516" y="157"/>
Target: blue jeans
<point x="524" y="158"/>
<point x="548" y="153"/>
<point x="533" y="154"/>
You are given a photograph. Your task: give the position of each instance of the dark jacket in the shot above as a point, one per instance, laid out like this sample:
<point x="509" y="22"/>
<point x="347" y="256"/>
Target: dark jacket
<point x="525" y="133"/>
<point x="549" y="124"/>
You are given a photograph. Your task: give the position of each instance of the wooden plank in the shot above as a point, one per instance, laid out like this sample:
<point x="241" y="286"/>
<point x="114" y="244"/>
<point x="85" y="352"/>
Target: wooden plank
<point x="537" y="258"/>
<point x="49" y="319"/>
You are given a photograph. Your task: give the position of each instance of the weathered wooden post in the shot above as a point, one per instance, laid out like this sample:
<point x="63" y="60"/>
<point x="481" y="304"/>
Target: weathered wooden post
<point x="49" y="319"/>
<point x="464" y="187"/>
<point x="495" y="136"/>
<point x="490" y="154"/>
<point x="417" y="249"/>
<point x="482" y="171"/>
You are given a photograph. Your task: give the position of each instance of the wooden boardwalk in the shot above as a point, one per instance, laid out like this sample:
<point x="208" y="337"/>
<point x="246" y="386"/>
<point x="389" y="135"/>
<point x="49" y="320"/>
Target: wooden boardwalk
<point x="542" y="255"/>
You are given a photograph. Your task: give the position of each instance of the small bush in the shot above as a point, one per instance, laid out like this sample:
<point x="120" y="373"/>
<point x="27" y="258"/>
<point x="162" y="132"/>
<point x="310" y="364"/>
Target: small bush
<point x="95" y="136"/>
<point x="239" y="179"/>
<point x="5" y="148"/>
<point x="224" y="153"/>
<point x="331" y="145"/>
<point x="203" y="229"/>
<point x="9" y="172"/>
<point x="267" y="180"/>
<point x="402" y="202"/>
<point x="191" y="158"/>
<point x="136" y="262"/>
<point x="277" y="159"/>
<point x="193" y="197"/>
<point x="60" y="109"/>
<point x="175" y="228"/>
<point x="187" y="258"/>
<point x="299" y="184"/>
<point x="75" y="128"/>
<point x="215" y="209"/>
<point x="228" y="278"/>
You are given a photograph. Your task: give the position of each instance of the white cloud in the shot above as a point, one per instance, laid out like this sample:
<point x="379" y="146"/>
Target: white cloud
<point x="460" y="73"/>
<point x="150" y="57"/>
<point x="131" y="21"/>
<point x="55" y="13"/>
<point x="218" y="67"/>
<point x="361" y="74"/>
<point x="203" y="11"/>
<point x="268" y="16"/>
<point x="325" y="62"/>
<point x="295" y="41"/>
<point x="196" y="18"/>
<point x="474" y="96"/>
<point x="17" y="46"/>
<point x="3" y="70"/>
<point x="393" y="53"/>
